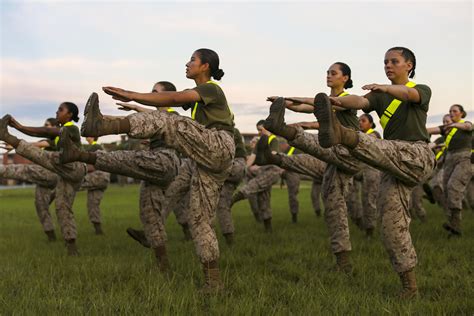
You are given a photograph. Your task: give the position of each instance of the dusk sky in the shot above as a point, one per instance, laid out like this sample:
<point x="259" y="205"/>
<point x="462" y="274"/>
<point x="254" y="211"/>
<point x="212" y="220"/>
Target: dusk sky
<point x="62" y="51"/>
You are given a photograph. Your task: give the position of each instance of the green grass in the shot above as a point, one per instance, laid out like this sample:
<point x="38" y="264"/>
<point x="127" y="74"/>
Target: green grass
<point x="287" y="272"/>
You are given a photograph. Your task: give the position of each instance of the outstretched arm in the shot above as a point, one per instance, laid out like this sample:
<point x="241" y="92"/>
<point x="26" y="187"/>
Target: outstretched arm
<point x="35" y="131"/>
<point x="350" y="102"/>
<point x="161" y="99"/>
<point x="132" y="107"/>
<point x="306" y="125"/>
<point x="466" y="126"/>
<point x="399" y="91"/>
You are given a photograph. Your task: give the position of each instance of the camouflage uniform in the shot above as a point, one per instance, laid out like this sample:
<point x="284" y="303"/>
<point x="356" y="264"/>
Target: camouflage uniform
<point x="253" y="200"/>
<point x="436" y="184"/>
<point x="69" y="181"/>
<point x="177" y="194"/>
<point x="157" y="168"/>
<point x="293" y="180"/>
<point x="416" y="203"/>
<point x="211" y="153"/>
<point x="224" y="214"/>
<point x="95" y="183"/>
<point x="370" y="190"/>
<point x="456" y="177"/>
<point x="354" y="202"/>
<point x="316" y="196"/>
<point x="261" y="187"/>
<point x="45" y="181"/>
<point x="335" y="187"/>
<point x="404" y="165"/>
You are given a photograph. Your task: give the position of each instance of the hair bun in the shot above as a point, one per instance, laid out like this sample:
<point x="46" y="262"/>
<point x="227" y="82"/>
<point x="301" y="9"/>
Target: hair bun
<point x="218" y="74"/>
<point x="348" y="84"/>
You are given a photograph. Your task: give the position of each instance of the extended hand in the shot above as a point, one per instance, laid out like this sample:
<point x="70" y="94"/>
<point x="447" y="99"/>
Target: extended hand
<point x="118" y="94"/>
<point x="376" y="87"/>
<point x="126" y="106"/>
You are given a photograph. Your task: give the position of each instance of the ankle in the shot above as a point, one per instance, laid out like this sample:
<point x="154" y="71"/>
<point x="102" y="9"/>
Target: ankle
<point x="88" y="157"/>
<point x="124" y="126"/>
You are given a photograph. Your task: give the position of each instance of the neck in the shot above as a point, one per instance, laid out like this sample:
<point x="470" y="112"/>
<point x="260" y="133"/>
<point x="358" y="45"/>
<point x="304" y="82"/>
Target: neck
<point x="335" y="91"/>
<point x="201" y="79"/>
<point x="402" y="80"/>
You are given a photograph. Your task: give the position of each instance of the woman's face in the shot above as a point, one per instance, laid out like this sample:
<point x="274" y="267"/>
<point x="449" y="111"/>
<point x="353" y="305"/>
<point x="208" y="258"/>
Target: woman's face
<point x="62" y="114"/>
<point x="157" y="88"/>
<point x="447" y="120"/>
<point x="194" y="67"/>
<point x="395" y="65"/>
<point x="47" y="124"/>
<point x="455" y="113"/>
<point x="335" y="78"/>
<point x="364" y="123"/>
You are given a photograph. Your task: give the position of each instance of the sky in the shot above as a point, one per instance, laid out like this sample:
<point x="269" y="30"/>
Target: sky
<point x="62" y="51"/>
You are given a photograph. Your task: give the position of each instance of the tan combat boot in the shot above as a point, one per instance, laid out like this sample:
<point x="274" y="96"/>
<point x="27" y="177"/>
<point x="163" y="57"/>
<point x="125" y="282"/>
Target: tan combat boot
<point x="71" y="247"/>
<point x="343" y="263"/>
<point x="409" y="290"/>
<point x="229" y="238"/>
<point x="51" y="235"/>
<point x="275" y="122"/>
<point x="162" y="259"/>
<point x="212" y="279"/>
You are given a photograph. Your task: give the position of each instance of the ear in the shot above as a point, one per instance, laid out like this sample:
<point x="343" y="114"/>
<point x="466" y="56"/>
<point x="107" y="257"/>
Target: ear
<point x="410" y="65"/>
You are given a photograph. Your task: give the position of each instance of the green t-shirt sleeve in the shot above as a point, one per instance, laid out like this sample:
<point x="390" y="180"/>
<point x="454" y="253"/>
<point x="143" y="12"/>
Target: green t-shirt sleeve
<point x="373" y="99"/>
<point x="425" y="95"/>
<point x="208" y="93"/>
<point x="274" y="146"/>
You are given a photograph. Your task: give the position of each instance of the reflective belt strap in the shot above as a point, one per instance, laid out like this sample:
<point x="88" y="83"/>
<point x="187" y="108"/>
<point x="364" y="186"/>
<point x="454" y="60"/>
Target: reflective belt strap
<point x="56" y="140"/>
<point x="193" y="113"/>
<point x="392" y="108"/>
<point x="170" y="110"/>
<point x="343" y="94"/>
<point x="448" y="140"/>
<point x="369" y="131"/>
<point x="271" y="138"/>
<point x="291" y="151"/>
<point x="94" y="143"/>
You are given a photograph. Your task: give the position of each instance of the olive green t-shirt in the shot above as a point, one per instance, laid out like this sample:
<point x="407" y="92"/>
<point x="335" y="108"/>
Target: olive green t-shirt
<point x="51" y="144"/>
<point x="74" y="133"/>
<point x="212" y="111"/>
<point x="94" y="147"/>
<point x="348" y="118"/>
<point x="409" y="120"/>
<point x="239" y="145"/>
<point x="273" y="144"/>
<point x="460" y="140"/>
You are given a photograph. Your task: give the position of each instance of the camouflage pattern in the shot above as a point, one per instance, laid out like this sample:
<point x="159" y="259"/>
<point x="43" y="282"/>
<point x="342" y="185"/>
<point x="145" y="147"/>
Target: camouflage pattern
<point x="456" y="177"/>
<point x="158" y="166"/>
<point x="152" y="198"/>
<point x="436" y="184"/>
<point x="43" y="198"/>
<point x="416" y="203"/>
<point x="335" y="190"/>
<point x="253" y="201"/>
<point x="404" y="165"/>
<point x="354" y="201"/>
<point x="224" y="214"/>
<point x="304" y="164"/>
<point x="45" y="181"/>
<point x="69" y="181"/>
<point x="211" y="154"/>
<point x="261" y="186"/>
<point x="316" y="196"/>
<point x="369" y="191"/>
<point x="293" y="180"/>
<point x="470" y="190"/>
<point x="177" y="194"/>
<point x="337" y="155"/>
<point x="95" y="183"/>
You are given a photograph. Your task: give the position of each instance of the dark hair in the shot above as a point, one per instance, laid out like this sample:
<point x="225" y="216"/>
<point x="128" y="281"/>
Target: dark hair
<point x="409" y="56"/>
<point x="346" y="71"/>
<point x="53" y="121"/>
<point x="261" y="122"/>
<point x="370" y="118"/>
<point x="72" y="108"/>
<point x="210" y="57"/>
<point x="167" y="86"/>
<point x="461" y="108"/>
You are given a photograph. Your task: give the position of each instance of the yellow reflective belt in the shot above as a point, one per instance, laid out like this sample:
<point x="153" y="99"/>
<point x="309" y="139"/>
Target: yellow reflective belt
<point x="369" y="131"/>
<point x="170" y="110"/>
<point x="193" y="113"/>
<point x="94" y="143"/>
<point x="56" y="140"/>
<point x="271" y="138"/>
<point x="343" y="94"/>
<point x="448" y="140"/>
<point x="291" y="151"/>
<point x="392" y="108"/>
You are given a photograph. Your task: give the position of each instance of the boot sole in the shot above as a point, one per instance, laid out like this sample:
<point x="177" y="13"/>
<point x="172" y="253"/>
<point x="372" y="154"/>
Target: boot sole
<point x="137" y="238"/>
<point x="91" y="112"/>
<point x="276" y="119"/>
<point x="323" y="112"/>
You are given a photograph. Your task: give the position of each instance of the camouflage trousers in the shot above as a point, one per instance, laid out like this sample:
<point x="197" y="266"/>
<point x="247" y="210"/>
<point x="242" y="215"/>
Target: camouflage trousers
<point x="335" y="187"/>
<point x="95" y="183"/>
<point x="436" y="185"/>
<point x="369" y="192"/>
<point x="404" y="166"/>
<point x="456" y="177"/>
<point x="293" y="180"/>
<point x="211" y="153"/>
<point x="305" y="164"/>
<point x="416" y="203"/>
<point x="470" y="190"/>
<point x="45" y="181"/>
<point x="69" y="181"/>
<point x="260" y="186"/>
<point x="253" y="200"/>
<point x="156" y="168"/>
<point x="224" y="215"/>
<point x="177" y="194"/>
<point x="354" y="201"/>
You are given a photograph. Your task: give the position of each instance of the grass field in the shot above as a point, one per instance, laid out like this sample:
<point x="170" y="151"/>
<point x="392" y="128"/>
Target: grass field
<point x="287" y="272"/>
